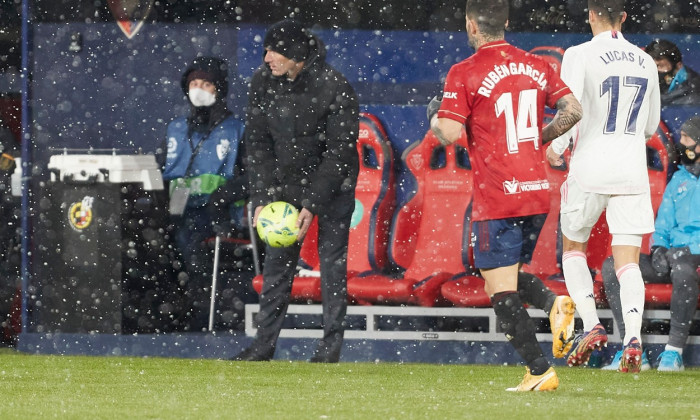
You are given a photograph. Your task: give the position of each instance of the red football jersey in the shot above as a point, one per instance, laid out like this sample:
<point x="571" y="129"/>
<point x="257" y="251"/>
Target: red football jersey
<point x="500" y="94"/>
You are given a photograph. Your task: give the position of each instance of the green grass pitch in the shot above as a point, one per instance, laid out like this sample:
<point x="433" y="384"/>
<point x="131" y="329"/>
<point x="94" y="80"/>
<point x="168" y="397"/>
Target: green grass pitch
<point x="83" y="387"/>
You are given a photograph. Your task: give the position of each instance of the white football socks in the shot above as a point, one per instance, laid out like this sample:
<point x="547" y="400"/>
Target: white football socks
<point x="579" y="283"/>
<point x="631" y="300"/>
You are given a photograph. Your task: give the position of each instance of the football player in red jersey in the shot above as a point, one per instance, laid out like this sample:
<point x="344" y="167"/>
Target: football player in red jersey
<point x="499" y="94"/>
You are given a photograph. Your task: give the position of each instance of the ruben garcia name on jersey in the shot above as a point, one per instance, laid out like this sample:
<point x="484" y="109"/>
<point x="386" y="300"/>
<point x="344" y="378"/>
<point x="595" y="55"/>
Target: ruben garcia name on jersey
<point x="502" y="71"/>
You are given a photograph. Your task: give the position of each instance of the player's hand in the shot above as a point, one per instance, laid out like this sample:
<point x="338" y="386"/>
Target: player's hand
<point x="256" y="214"/>
<point x="303" y="223"/>
<point x="659" y="260"/>
<point x="433" y="107"/>
<point x="554" y="159"/>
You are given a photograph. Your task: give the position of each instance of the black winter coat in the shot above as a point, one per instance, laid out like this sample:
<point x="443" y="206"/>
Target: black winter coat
<point x="301" y="136"/>
<point x="687" y="93"/>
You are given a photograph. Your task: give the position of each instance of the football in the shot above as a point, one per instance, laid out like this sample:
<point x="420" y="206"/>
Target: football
<point x="277" y="224"/>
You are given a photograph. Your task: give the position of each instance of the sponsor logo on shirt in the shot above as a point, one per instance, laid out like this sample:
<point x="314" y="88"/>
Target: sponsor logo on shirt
<point x="516" y="187"/>
<point x="450" y="95"/>
<point x="511" y="187"/>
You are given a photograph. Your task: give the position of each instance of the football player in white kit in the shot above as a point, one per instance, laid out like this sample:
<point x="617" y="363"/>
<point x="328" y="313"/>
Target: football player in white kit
<point x="617" y="85"/>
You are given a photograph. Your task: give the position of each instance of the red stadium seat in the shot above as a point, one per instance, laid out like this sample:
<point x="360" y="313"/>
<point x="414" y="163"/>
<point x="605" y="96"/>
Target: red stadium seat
<point x="658" y="295"/>
<point x="375" y="198"/>
<point x="444" y="189"/>
<point x="466" y="290"/>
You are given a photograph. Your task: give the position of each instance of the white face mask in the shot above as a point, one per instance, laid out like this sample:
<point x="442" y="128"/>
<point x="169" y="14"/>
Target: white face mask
<point x="200" y="97"/>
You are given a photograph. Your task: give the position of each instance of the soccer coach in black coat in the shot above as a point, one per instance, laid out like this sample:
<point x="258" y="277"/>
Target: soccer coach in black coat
<point x="301" y="131"/>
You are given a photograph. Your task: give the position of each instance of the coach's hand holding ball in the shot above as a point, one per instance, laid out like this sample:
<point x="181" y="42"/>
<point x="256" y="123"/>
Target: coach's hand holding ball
<point x="303" y="223"/>
<point x="279" y="224"/>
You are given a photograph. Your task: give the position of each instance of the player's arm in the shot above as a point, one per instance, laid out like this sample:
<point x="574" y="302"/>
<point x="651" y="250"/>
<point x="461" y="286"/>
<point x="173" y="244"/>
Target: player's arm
<point x="569" y="112"/>
<point x="446" y="130"/>
<point x="573" y="74"/>
<point x="452" y="104"/>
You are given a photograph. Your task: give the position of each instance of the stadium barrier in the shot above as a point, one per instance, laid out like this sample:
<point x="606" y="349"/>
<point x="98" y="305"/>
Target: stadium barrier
<point x="378" y="322"/>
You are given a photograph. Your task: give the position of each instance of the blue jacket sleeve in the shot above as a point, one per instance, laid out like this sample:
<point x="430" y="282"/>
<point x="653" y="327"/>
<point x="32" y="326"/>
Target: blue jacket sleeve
<point x="666" y="217"/>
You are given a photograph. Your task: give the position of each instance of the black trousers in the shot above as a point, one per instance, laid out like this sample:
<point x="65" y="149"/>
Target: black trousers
<point x="278" y="273"/>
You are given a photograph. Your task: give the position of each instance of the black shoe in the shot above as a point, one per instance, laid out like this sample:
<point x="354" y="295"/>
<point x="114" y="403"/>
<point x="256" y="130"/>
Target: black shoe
<point x="254" y="354"/>
<point x="327" y="352"/>
<point x="323" y="359"/>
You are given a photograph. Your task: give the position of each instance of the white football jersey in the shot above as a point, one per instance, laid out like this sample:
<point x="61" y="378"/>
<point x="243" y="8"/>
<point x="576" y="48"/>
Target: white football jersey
<point x="617" y="85"/>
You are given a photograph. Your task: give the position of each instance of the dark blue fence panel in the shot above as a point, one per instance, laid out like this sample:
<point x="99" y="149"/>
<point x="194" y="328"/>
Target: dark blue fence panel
<point x="121" y="93"/>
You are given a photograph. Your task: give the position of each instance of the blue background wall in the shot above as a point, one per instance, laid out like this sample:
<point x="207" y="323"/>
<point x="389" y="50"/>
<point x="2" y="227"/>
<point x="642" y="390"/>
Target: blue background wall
<point x="121" y="93"/>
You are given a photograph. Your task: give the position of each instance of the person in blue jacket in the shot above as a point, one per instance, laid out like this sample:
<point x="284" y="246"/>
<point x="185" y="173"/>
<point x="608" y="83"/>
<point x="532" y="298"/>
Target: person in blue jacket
<point x="203" y="177"/>
<point x="675" y="249"/>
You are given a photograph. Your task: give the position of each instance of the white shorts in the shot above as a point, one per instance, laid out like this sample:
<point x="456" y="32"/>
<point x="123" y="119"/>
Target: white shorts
<point x="626" y="214"/>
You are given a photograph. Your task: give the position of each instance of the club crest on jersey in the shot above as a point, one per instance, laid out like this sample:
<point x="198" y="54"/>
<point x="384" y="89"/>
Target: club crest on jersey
<point x="80" y="213"/>
<point x="222" y="149"/>
<point x="130" y="14"/>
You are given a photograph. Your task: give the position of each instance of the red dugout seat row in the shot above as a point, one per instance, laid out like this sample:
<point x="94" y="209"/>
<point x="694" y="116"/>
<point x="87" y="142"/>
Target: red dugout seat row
<point x="433" y="224"/>
<point x="419" y="253"/>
